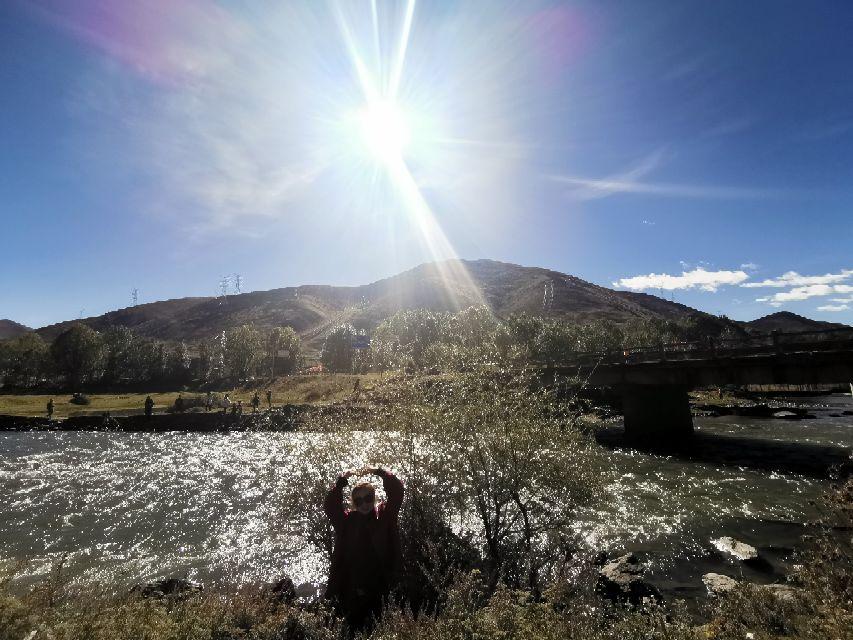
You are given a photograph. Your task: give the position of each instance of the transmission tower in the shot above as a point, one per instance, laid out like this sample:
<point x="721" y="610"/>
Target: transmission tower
<point x="238" y="283"/>
<point x="548" y="297"/>
<point x="223" y="289"/>
<point x="134" y="297"/>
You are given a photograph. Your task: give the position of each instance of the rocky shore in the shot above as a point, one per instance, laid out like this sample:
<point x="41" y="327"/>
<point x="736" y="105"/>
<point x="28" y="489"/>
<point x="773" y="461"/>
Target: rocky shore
<point x="284" y="418"/>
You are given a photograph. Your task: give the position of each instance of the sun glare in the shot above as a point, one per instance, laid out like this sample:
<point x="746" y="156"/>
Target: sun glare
<point x="384" y="130"/>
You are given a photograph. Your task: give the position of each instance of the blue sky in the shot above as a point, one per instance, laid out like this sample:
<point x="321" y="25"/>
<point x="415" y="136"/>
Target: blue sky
<point x="702" y="150"/>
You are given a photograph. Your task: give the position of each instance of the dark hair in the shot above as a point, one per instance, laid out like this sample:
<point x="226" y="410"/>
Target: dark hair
<point x="361" y="485"/>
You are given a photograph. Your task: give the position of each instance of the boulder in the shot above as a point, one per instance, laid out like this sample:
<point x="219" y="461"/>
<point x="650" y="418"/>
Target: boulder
<point x="283" y="590"/>
<point x="718" y="584"/>
<point x="736" y="548"/>
<point x="786" y="415"/>
<point x="782" y="592"/>
<point x="168" y="587"/>
<point x="621" y="580"/>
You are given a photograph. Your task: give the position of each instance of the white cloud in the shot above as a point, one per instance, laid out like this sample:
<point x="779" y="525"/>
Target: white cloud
<point x="804" y="293"/>
<point x="749" y="266"/>
<point x="834" y="307"/>
<point x="794" y="279"/>
<point x="698" y="278"/>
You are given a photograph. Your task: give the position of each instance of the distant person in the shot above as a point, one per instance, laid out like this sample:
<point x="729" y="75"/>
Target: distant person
<point x="366" y="560"/>
<point x="179" y="404"/>
<point x="356" y="389"/>
<point x="208" y="403"/>
<point x="269" y="398"/>
<point x="50" y="409"/>
<point x="226" y="402"/>
<point x="149" y="406"/>
<point x="256" y="402"/>
<point x="239" y="407"/>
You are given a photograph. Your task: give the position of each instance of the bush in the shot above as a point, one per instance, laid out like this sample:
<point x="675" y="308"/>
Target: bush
<point x="80" y="399"/>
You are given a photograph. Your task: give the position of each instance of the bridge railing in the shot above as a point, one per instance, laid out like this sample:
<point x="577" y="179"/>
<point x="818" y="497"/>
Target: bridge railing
<point x="750" y="345"/>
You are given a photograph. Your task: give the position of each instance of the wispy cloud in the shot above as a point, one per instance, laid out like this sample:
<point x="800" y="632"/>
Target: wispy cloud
<point x="749" y="266"/>
<point x="834" y="307"/>
<point x="631" y="182"/>
<point x="698" y="278"/>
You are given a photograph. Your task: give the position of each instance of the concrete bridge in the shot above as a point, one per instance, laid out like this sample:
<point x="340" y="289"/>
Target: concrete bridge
<point x="654" y="382"/>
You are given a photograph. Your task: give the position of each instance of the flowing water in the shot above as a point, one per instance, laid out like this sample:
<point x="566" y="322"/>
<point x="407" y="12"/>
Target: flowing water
<point x="129" y="507"/>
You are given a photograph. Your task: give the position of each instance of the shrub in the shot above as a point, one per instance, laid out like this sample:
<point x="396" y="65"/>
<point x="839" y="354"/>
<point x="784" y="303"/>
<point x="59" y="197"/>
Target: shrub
<point x="80" y="399"/>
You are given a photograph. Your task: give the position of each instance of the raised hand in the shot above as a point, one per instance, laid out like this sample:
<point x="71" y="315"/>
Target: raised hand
<point x="366" y="471"/>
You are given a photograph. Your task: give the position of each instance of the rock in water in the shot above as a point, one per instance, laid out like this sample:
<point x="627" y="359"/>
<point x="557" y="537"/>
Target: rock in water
<point x="173" y="587"/>
<point x="622" y="581"/>
<point x="718" y="584"/>
<point x="736" y="548"/>
<point x="782" y="592"/>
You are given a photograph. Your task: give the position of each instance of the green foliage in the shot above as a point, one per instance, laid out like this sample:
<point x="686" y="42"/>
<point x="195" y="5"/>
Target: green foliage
<point x="283" y="339"/>
<point x="23" y="360"/>
<point x="422" y="339"/>
<point x="243" y="351"/>
<point x="78" y="354"/>
<point x="337" y="352"/>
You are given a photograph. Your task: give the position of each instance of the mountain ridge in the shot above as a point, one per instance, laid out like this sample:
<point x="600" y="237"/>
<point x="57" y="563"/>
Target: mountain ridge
<point x="11" y="329"/>
<point x="313" y="310"/>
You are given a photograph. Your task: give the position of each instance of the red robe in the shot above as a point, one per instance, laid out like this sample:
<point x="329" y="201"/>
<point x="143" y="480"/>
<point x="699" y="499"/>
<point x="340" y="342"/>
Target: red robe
<point x="373" y="569"/>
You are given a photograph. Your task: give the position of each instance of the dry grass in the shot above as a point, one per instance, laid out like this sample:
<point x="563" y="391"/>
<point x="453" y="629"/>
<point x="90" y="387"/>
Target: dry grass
<point x="299" y="389"/>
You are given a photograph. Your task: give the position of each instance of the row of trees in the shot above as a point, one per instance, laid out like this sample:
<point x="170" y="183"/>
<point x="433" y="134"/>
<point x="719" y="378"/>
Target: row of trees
<point x="120" y="356"/>
<point x="423" y="339"/>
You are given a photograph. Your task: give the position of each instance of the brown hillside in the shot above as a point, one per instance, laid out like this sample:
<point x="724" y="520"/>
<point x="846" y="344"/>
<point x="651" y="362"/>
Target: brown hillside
<point x="11" y="329"/>
<point x="312" y="310"/>
<point x="789" y="322"/>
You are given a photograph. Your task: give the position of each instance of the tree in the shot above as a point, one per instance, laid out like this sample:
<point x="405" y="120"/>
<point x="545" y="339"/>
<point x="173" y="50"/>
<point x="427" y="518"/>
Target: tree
<point x="25" y="358"/>
<point x="122" y="355"/>
<point x="283" y="339"/>
<point x="337" y="350"/>
<point x="243" y="350"/>
<point x="178" y="361"/>
<point x="78" y="354"/>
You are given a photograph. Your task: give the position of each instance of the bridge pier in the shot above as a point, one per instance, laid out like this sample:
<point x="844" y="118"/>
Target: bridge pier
<point x="656" y="412"/>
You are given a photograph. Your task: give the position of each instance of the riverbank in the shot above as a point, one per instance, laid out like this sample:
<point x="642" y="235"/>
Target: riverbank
<point x="285" y="390"/>
<point x="283" y="418"/>
<point x="586" y="600"/>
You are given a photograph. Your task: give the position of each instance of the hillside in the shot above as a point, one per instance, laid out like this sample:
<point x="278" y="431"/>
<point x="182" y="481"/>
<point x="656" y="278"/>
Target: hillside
<point x="312" y="310"/>
<point x="786" y="321"/>
<point x="11" y="329"/>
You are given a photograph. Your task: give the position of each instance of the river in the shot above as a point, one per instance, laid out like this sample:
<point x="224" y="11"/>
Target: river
<point x="128" y="507"/>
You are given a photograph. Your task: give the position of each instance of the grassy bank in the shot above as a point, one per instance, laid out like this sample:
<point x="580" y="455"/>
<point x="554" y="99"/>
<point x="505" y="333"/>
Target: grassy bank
<point x="296" y="389"/>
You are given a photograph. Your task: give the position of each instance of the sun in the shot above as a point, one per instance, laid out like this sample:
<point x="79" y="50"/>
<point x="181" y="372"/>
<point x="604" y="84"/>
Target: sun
<point x="384" y="130"/>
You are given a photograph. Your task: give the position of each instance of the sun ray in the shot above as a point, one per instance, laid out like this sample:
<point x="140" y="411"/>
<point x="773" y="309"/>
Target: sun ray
<point x="384" y="131"/>
<point x="367" y="82"/>
<point x="405" y="34"/>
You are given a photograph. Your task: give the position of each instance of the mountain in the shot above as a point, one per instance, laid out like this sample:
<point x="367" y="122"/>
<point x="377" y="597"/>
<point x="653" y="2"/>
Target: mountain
<point x="312" y="310"/>
<point x="11" y="329"/>
<point x="786" y="321"/>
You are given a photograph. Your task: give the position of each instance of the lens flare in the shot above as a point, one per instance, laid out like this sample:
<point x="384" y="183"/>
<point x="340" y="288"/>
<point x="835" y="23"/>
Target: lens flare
<point x="384" y="130"/>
